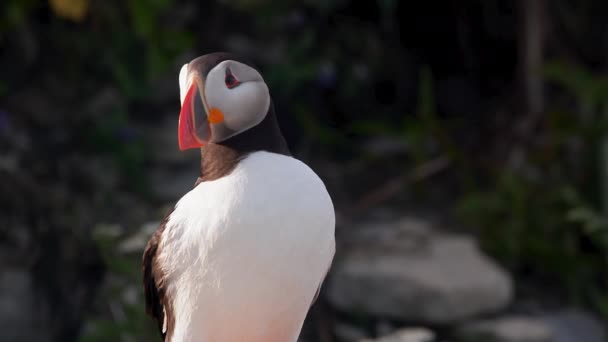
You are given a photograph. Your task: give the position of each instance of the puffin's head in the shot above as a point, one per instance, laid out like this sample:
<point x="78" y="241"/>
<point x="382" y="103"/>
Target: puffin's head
<point x="221" y="97"/>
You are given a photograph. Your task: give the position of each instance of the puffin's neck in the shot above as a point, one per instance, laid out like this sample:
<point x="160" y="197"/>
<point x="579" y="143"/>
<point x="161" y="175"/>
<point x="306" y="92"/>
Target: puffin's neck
<point x="218" y="159"/>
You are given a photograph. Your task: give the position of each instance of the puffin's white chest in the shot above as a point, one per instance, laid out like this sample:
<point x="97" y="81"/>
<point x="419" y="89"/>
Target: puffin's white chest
<point x="246" y="253"/>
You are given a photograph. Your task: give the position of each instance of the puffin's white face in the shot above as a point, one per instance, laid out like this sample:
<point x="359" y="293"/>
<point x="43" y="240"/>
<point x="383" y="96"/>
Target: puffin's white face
<point x="230" y="99"/>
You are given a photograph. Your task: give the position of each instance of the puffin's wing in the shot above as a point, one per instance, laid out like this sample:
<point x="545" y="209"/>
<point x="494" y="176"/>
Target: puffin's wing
<point x="153" y="281"/>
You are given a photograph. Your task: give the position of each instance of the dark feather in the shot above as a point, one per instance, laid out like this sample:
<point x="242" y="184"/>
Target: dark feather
<point x="154" y="283"/>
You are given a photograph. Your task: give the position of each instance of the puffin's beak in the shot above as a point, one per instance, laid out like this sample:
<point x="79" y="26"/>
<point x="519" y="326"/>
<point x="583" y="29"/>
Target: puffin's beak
<point x="194" y="130"/>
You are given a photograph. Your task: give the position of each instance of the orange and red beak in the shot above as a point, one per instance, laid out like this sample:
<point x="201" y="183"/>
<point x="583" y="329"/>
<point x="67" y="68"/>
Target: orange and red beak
<point x="194" y="130"/>
<point x="196" y="120"/>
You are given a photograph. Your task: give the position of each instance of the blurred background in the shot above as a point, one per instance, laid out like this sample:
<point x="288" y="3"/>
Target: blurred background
<point x="464" y="144"/>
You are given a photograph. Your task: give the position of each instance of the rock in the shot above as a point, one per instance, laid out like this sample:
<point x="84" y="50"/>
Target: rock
<point x="391" y="235"/>
<point x="136" y="243"/>
<point x="131" y="295"/>
<point x="405" y="270"/>
<point x="574" y="325"/>
<point x="20" y="314"/>
<point x="108" y="231"/>
<point x="349" y="333"/>
<point x="506" y="329"/>
<point x="9" y="163"/>
<point x="384" y="327"/>
<point x="406" y="335"/>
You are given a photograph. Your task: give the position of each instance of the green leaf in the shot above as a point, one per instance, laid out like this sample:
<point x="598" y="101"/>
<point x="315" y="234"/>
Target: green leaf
<point x="143" y="17"/>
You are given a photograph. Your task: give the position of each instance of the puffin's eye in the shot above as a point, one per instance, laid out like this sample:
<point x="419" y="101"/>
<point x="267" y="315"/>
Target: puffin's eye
<point x="230" y="80"/>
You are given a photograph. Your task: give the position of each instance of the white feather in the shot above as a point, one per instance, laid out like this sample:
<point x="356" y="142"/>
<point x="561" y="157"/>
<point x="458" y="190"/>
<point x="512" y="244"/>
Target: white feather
<point x="244" y="106"/>
<point x="246" y="253"/>
<point x="183" y="75"/>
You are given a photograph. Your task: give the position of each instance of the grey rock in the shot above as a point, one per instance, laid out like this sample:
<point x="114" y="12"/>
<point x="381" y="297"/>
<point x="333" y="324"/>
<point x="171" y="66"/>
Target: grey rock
<point x="349" y="333"/>
<point x="406" y="335"/>
<point x="131" y="295"/>
<point x="149" y="227"/>
<point x="574" y="325"/>
<point x="406" y="271"/>
<point x="9" y="163"/>
<point x="506" y="329"/>
<point x="136" y="243"/>
<point x="21" y="317"/>
<point x="391" y="236"/>
<point x="384" y="327"/>
<point x="108" y="231"/>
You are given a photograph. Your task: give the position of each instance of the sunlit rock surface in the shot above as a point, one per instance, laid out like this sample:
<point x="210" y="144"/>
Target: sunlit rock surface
<point x="408" y="271"/>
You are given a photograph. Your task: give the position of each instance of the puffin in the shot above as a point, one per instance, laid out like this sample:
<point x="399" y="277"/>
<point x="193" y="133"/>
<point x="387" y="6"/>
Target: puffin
<point x="241" y="256"/>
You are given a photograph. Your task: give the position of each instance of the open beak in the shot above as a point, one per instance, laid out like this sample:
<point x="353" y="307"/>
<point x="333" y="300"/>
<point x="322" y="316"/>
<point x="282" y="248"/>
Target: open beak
<point x="194" y="130"/>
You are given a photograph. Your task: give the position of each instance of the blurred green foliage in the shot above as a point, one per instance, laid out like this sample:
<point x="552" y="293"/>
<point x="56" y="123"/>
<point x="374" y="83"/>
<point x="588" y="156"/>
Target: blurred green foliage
<point x="123" y="43"/>
<point x="13" y="13"/>
<point x="547" y="219"/>
<point x="123" y="317"/>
